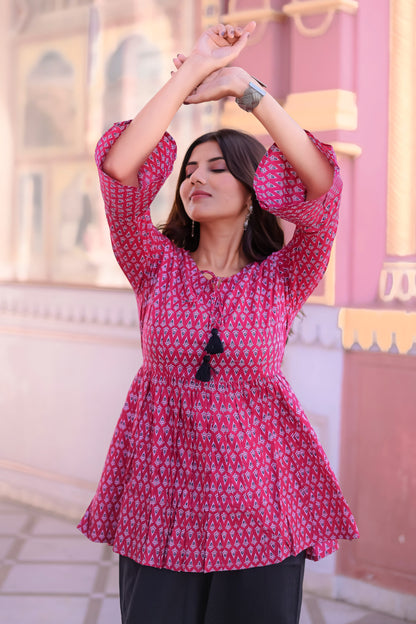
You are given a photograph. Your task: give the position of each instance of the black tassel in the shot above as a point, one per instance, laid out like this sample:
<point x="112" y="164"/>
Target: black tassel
<point x="214" y="343"/>
<point x="204" y="371"/>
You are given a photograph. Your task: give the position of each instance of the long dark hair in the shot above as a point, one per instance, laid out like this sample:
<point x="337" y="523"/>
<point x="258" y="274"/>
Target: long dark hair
<point x="242" y="154"/>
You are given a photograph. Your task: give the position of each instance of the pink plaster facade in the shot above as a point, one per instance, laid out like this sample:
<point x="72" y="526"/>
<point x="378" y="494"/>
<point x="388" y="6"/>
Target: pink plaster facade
<point x="378" y="410"/>
<point x="379" y="468"/>
<point x="353" y="55"/>
<point x="356" y="54"/>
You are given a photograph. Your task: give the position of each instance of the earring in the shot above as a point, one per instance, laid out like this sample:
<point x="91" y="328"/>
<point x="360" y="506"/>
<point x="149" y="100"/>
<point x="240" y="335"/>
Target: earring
<point x="193" y="229"/>
<point x="248" y="215"/>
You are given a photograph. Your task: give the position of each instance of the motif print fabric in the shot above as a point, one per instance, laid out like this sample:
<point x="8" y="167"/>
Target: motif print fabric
<point x="227" y="474"/>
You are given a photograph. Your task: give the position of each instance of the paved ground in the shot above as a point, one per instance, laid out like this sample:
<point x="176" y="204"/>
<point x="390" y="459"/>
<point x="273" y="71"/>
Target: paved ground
<point x="51" y="574"/>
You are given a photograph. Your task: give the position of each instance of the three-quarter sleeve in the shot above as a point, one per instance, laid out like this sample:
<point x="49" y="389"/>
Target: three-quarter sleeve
<point x="303" y="261"/>
<point x="137" y="244"/>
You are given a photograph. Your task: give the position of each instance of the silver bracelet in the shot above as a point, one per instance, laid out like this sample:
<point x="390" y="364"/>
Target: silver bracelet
<point x="251" y="96"/>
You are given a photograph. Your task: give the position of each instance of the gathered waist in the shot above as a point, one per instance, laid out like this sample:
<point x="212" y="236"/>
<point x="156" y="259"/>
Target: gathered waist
<point x="217" y="383"/>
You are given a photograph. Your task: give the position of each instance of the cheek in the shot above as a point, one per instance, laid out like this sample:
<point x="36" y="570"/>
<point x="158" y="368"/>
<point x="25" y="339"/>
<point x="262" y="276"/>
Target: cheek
<point x="235" y="189"/>
<point x="184" y="190"/>
<point x="237" y="195"/>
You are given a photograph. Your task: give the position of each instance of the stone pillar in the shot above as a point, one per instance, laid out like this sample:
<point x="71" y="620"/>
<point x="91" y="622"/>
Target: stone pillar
<point x="398" y="276"/>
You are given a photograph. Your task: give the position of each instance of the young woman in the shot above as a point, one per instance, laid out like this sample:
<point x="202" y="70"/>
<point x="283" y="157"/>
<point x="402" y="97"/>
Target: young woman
<point x="215" y="487"/>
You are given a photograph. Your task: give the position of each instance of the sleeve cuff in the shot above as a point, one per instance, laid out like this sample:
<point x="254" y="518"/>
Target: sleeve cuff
<point x="280" y="191"/>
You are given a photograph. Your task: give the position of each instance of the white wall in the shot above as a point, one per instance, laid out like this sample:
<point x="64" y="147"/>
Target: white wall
<point x="67" y="357"/>
<point x="313" y="364"/>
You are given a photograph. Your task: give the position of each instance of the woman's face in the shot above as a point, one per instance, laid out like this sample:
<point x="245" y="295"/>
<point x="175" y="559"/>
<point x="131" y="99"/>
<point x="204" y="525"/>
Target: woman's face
<point x="210" y="192"/>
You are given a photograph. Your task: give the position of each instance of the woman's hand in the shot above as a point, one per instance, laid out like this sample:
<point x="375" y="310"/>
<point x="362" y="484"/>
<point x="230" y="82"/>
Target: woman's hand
<point x="222" y="44"/>
<point x="215" y="48"/>
<point x="224" y="82"/>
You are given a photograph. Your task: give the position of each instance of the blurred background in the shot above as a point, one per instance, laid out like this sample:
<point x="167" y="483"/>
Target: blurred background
<point x="69" y="347"/>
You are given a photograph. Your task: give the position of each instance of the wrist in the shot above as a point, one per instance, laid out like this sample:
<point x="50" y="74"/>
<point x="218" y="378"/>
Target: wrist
<point x="253" y="94"/>
<point x="201" y="66"/>
<point x="240" y="82"/>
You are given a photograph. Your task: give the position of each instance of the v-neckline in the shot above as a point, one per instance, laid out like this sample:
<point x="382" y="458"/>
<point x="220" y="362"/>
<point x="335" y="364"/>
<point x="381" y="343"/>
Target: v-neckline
<point x="215" y="280"/>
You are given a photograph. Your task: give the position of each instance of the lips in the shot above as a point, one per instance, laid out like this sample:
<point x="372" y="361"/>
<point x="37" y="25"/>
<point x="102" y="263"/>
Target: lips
<point x="199" y="194"/>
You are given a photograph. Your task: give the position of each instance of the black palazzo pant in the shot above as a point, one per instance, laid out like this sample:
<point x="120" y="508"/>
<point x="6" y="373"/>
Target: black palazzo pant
<point x="265" y="595"/>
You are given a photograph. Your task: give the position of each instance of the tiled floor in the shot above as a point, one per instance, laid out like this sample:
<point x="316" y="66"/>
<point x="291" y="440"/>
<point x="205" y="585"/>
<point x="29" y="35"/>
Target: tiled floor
<point x="51" y="574"/>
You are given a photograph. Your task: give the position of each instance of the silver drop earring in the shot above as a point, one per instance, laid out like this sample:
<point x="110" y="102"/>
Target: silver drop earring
<point x="193" y="229"/>
<point x="248" y="215"/>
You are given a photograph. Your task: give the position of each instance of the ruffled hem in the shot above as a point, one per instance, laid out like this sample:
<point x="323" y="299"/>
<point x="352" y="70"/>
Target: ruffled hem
<point x="162" y="513"/>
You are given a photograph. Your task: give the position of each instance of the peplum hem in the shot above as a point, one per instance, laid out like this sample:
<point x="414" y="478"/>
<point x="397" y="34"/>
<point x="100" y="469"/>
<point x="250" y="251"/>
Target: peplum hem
<point x="158" y="506"/>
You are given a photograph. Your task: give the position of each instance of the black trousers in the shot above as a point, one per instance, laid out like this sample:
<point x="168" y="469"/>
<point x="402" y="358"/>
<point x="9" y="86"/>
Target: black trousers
<point x="267" y="595"/>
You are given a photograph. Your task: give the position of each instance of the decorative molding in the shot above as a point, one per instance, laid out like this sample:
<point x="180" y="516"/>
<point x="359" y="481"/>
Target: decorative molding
<point x="398" y="281"/>
<point x="298" y="9"/>
<point x="347" y="149"/>
<point x="384" y="330"/>
<point x="263" y="15"/>
<point x="69" y="314"/>
<point x="329" y="109"/>
<point x="259" y="15"/>
<point x="398" y="276"/>
<point x="317" y="325"/>
<point x="234" y="117"/>
<point x="316" y="7"/>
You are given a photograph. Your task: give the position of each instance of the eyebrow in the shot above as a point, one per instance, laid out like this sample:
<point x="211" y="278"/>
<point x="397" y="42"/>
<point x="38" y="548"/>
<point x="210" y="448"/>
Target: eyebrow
<point x="194" y="162"/>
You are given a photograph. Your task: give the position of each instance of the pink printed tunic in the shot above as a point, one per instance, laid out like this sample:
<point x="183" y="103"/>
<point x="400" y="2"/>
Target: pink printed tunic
<point x="226" y="474"/>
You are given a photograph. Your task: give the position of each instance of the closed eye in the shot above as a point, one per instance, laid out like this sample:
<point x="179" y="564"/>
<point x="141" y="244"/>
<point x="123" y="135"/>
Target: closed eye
<point x="189" y="173"/>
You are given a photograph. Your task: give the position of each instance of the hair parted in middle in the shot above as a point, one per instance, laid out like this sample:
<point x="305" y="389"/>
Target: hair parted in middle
<point x="242" y="154"/>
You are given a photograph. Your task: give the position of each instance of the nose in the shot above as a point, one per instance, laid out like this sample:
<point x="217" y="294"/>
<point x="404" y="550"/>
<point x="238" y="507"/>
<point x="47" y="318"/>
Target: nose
<point x="198" y="176"/>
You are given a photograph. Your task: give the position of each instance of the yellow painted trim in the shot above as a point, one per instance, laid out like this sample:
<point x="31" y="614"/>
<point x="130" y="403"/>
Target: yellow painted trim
<point x="259" y="15"/>
<point x="316" y="7"/>
<point x="401" y="193"/>
<point x="347" y="149"/>
<point x="330" y="109"/>
<point x="301" y="8"/>
<point x="382" y="328"/>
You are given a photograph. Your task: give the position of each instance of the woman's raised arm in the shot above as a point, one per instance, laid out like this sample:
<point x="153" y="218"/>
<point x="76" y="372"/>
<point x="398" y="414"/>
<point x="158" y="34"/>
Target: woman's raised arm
<point x="310" y="164"/>
<point x="216" y="47"/>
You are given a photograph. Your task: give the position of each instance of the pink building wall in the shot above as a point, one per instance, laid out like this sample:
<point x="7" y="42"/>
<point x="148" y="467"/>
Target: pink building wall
<point x="353" y="55"/>
<point x="344" y="70"/>
<point x="377" y="418"/>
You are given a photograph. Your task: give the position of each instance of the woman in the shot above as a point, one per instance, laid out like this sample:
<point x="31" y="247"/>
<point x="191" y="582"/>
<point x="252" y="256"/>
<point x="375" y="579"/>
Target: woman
<point x="215" y="487"/>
